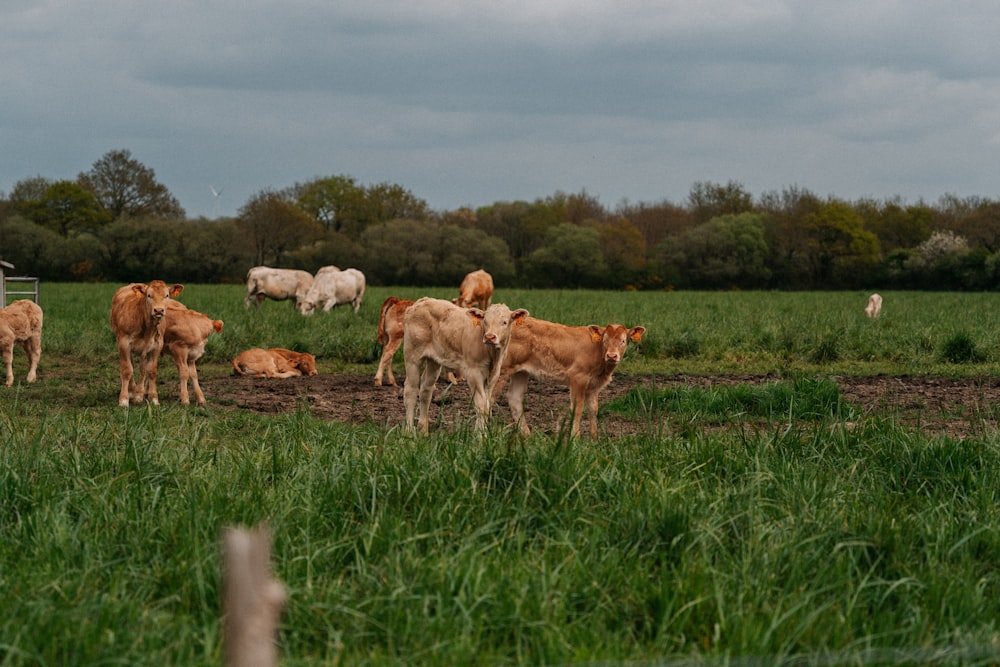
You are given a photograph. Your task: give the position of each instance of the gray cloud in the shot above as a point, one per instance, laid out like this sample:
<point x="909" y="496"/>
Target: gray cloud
<point x="469" y="103"/>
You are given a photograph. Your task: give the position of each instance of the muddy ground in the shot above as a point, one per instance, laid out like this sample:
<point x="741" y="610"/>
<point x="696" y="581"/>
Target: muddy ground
<point x="956" y="407"/>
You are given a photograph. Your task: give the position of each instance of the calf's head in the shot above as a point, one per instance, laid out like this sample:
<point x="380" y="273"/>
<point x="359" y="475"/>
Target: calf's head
<point x="614" y="339"/>
<point x="496" y="322"/>
<point x="157" y="295"/>
<point x="306" y="363"/>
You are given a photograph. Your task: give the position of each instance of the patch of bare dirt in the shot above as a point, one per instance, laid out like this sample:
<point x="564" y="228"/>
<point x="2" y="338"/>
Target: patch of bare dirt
<point x="956" y="407"/>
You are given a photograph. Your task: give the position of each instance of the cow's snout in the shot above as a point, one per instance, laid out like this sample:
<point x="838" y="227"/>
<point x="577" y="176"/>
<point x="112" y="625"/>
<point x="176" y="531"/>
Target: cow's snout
<point x="612" y="357"/>
<point x="490" y="338"/>
<point x="158" y="313"/>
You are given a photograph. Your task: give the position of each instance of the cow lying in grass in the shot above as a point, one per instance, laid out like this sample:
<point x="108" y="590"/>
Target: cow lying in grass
<point x="276" y="362"/>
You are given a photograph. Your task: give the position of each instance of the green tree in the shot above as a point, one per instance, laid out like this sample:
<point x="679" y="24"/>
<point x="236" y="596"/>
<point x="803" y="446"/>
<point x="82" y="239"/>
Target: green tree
<point x="38" y="251"/>
<point x="709" y="200"/>
<point x="272" y="226"/>
<point x="571" y="256"/>
<point x="386" y="261"/>
<point x="841" y="251"/>
<point x="27" y="191"/>
<point x="657" y="221"/>
<point x="896" y="226"/>
<point x="787" y="235"/>
<point x="624" y="251"/>
<point x="729" y="251"/>
<point x="522" y="225"/>
<point x="126" y="187"/>
<point x="435" y="254"/>
<point x="462" y="250"/>
<point x="337" y="202"/>
<point x="68" y="208"/>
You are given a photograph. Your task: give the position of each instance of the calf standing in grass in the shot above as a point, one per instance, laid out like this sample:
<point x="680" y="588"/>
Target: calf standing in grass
<point x="21" y="322"/>
<point x="138" y="320"/>
<point x="476" y="290"/>
<point x="582" y="358"/>
<point x="874" y="306"/>
<point x="389" y="335"/>
<point x="185" y="336"/>
<point x="276" y="362"/>
<point x="438" y="333"/>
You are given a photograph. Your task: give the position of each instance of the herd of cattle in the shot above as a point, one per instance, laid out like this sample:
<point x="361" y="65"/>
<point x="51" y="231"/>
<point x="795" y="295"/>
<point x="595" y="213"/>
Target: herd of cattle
<point x="488" y="345"/>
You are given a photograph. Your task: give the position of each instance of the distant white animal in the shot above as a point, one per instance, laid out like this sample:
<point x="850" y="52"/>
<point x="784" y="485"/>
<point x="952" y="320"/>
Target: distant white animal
<point x="278" y="284"/>
<point x="332" y="288"/>
<point x="874" y="306"/>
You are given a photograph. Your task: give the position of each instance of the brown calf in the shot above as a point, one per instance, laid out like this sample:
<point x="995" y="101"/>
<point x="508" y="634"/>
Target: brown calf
<point x="389" y="335"/>
<point x="137" y="321"/>
<point x="21" y="322"/>
<point x="184" y="337"/>
<point x="582" y="358"/>
<point x="275" y="362"/>
<point x="476" y="290"/>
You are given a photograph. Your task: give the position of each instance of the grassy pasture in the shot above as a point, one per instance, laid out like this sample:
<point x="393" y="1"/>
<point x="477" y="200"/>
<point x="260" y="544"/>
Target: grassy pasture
<point x="830" y="535"/>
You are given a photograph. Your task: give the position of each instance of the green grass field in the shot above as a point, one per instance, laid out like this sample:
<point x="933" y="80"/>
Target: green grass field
<point x="803" y="540"/>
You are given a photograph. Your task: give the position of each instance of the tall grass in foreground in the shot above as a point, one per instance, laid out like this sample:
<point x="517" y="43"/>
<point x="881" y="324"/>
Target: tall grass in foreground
<point x="811" y="542"/>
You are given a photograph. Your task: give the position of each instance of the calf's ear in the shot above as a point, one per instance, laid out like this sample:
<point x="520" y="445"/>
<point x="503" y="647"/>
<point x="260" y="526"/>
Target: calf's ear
<point x="519" y="316"/>
<point x="476" y="316"/>
<point x="139" y="288"/>
<point x="595" y="333"/>
<point x="636" y="333"/>
<point x="176" y="290"/>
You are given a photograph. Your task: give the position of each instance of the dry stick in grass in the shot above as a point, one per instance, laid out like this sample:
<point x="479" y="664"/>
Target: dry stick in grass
<point x="252" y="600"/>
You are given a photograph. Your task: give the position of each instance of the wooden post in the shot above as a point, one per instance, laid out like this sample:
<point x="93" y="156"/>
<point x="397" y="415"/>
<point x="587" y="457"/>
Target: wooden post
<point x="252" y="601"/>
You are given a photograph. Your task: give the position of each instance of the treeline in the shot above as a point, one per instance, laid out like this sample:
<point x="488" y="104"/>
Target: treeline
<point x="117" y="223"/>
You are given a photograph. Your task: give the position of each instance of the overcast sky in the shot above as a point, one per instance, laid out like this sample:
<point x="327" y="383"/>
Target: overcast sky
<point x="469" y="102"/>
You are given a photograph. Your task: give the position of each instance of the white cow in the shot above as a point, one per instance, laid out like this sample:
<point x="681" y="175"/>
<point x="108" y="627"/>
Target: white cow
<point x="332" y="288"/>
<point x="874" y="306"/>
<point x="438" y="333"/>
<point x="277" y="284"/>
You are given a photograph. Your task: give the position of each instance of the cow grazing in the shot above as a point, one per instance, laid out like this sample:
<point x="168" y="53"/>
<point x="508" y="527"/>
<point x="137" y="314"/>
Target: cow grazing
<point x="332" y="288"/>
<point x="476" y="290"/>
<point x="184" y="338"/>
<point x="582" y="358"/>
<point x="389" y="335"/>
<point x="276" y="362"/>
<point x="21" y="322"/>
<point x="874" y="306"/>
<point x="472" y="341"/>
<point x="277" y="284"/>
<point x="137" y="321"/>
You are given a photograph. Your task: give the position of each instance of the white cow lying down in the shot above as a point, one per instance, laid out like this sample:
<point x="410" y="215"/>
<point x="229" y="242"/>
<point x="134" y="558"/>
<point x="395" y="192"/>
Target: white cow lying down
<point x="331" y="288"/>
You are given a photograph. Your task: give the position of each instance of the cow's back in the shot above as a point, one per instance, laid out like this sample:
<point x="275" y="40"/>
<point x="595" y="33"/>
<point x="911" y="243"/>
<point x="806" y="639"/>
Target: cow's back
<point x="128" y="312"/>
<point x="23" y="317"/>
<point x="551" y="350"/>
<point x="436" y="329"/>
